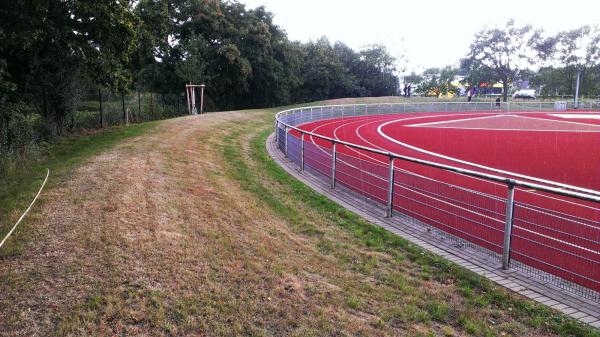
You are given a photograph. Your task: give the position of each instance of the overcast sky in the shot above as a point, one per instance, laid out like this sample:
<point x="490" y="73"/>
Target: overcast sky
<point x="428" y="32"/>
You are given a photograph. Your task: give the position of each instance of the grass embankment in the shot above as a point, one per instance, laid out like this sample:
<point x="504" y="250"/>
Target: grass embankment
<point x="18" y="187"/>
<point x="193" y="230"/>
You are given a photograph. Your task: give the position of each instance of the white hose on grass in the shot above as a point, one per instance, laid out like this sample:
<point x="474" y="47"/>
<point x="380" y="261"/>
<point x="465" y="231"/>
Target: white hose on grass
<point x="27" y="211"/>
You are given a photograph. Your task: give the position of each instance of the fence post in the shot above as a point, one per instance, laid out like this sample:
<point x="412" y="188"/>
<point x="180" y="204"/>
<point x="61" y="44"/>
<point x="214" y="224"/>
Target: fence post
<point x="301" y="151"/>
<point x="286" y="141"/>
<point x="510" y="205"/>
<point x="276" y="132"/>
<point x="124" y="112"/>
<point x="101" y="113"/>
<point x="333" y="161"/>
<point x="139" y="106"/>
<point x="390" y="196"/>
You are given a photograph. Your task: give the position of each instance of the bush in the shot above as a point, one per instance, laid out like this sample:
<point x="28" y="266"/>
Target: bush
<point x="22" y="135"/>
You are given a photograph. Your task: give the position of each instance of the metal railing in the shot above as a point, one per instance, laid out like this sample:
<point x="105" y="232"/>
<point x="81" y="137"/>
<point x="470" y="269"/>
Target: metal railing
<point x="556" y="243"/>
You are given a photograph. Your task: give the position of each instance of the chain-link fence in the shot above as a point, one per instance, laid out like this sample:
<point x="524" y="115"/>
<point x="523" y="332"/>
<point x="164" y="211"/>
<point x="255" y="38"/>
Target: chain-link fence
<point x="102" y="108"/>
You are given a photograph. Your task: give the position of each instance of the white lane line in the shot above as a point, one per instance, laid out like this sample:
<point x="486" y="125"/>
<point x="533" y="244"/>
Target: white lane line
<point x="456" y="120"/>
<point x="594" y="128"/>
<point x="563" y="122"/>
<point x="502" y="129"/>
<point x="483" y="167"/>
<point x="576" y="116"/>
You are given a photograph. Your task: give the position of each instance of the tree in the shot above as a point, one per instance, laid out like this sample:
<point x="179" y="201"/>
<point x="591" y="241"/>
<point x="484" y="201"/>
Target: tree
<point x="376" y="71"/>
<point x="577" y="52"/>
<point x="324" y="74"/>
<point x="476" y="73"/>
<point x="412" y="79"/>
<point x="504" y="52"/>
<point x="53" y="48"/>
<point x="438" y="82"/>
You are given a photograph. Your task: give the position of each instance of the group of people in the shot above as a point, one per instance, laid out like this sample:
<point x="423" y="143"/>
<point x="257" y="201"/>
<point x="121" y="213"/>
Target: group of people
<point x="407" y="90"/>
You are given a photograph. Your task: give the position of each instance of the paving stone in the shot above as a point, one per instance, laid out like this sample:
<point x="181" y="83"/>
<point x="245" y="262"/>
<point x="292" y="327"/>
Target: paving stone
<point x="588" y="319"/>
<point x="569" y="310"/>
<point x="559" y="306"/>
<point x="578" y="315"/>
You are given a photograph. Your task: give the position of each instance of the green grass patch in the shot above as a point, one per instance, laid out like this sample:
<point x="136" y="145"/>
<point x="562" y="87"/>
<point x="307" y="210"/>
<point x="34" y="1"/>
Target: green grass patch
<point x="18" y="187"/>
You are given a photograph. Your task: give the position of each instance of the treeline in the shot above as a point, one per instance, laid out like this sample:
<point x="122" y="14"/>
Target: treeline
<point x="55" y="56"/>
<point x="514" y="53"/>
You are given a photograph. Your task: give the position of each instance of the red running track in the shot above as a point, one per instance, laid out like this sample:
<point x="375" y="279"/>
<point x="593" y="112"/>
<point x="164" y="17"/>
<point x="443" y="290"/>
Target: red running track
<point x="552" y="233"/>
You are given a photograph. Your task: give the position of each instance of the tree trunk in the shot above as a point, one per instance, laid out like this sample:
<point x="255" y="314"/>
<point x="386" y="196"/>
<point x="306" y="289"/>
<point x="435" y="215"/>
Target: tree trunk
<point x="505" y="91"/>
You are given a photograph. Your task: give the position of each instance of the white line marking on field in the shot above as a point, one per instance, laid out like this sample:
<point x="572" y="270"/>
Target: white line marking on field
<point x="565" y="122"/>
<point x="594" y="128"/>
<point x="456" y="120"/>
<point x="577" y="116"/>
<point x="488" y="168"/>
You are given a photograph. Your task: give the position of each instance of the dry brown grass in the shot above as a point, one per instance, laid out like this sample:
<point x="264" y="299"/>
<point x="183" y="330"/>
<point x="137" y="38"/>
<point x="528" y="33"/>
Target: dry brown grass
<point x="154" y="237"/>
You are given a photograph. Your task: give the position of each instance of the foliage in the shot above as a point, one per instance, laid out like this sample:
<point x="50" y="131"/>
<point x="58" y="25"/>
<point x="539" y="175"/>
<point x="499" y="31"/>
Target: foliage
<point x="437" y="82"/>
<point x="567" y="53"/>
<point x="503" y="52"/>
<point x="247" y="61"/>
<point x="51" y="48"/>
<point x="54" y="53"/>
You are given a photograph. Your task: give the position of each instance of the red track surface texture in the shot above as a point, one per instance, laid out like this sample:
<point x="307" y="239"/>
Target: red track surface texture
<point x="555" y="234"/>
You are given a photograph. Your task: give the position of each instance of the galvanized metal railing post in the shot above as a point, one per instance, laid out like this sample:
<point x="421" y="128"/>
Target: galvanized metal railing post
<point x="333" y="164"/>
<point x="390" y="196"/>
<point x="301" y="151"/>
<point x="508" y="225"/>
<point x="286" y="141"/>
<point x="277" y="132"/>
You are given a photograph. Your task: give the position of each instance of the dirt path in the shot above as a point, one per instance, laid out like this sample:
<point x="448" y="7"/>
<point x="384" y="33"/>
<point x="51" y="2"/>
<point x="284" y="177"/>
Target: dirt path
<point x="131" y="233"/>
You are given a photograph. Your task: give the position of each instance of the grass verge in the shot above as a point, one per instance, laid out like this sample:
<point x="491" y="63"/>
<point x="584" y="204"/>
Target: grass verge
<point x="19" y="187"/>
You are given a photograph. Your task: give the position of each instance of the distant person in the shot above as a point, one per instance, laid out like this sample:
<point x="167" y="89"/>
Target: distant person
<point x="498" y="102"/>
<point x="469" y="95"/>
<point x="405" y="90"/>
<point x="409" y="90"/>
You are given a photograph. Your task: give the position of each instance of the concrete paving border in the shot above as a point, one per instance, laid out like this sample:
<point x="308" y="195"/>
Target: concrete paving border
<point x="447" y="246"/>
